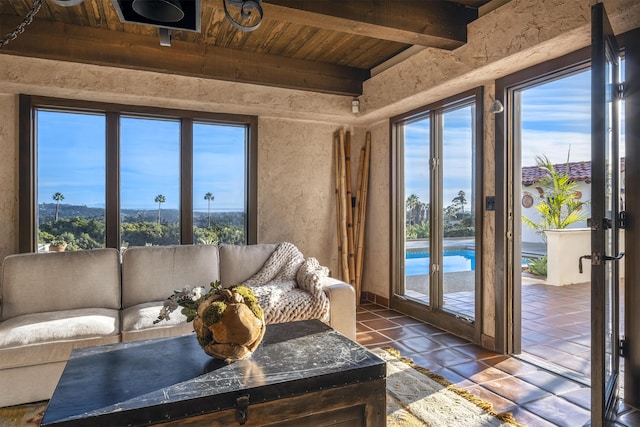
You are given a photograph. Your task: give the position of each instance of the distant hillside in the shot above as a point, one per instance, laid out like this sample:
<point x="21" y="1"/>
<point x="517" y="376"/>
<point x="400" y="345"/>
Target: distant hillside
<point x="47" y="212"/>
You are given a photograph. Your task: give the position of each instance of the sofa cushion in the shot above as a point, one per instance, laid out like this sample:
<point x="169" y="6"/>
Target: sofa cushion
<point x="45" y="282"/>
<point x="142" y="316"/>
<point x="239" y="263"/>
<point x="152" y="273"/>
<point x="49" y="337"/>
<point x="137" y="323"/>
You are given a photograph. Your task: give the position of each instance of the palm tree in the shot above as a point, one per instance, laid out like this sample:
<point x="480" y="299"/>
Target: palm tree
<point x="558" y="208"/>
<point x="160" y="199"/>
<point x="412" y="203"/>
<point x="209" y="198"/>
<point x="461" y="200"/>
<point x="58" y="197"/>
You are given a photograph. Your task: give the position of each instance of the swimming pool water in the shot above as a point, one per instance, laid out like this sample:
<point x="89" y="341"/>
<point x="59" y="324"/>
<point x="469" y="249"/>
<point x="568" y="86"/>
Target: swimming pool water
<point x="456" y="260"/>
<point x="453" y="260"/>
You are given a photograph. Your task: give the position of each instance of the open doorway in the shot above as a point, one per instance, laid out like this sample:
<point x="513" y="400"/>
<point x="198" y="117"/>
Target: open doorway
<point x="553" y="134"/>
<point x="551" y="159"/>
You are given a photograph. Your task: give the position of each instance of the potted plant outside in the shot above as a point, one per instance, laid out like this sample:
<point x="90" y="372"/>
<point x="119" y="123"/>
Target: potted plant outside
<point x="57" y="245"/>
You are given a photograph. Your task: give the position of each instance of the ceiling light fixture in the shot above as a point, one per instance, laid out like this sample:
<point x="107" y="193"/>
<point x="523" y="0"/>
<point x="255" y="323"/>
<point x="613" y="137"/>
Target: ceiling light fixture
<point x="67" y="3"/>
<point x="159" y="10"/>
<point x="246" y="13"/>
<point x="167" y="15"/>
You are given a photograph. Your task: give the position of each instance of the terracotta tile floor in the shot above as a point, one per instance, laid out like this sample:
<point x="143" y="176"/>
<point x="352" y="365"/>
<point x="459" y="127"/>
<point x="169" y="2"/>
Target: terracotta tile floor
<point x="536" y="397"/>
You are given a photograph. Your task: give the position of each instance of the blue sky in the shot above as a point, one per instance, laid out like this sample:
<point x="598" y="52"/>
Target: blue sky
<point x="457" y="160"/>
<point x="71" y="160"/>
<point x="555" y="118"/>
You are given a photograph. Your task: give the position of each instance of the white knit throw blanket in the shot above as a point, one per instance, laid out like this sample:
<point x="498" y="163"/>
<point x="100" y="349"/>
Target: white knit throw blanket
<point x="289" y="288"/>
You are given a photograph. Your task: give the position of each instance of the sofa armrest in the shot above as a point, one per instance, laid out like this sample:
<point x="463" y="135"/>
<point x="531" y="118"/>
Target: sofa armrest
<point x="342" y="312"/>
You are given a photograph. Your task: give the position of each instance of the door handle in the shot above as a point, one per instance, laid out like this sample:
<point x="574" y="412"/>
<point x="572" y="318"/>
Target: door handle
<point x="580" y="262"/>
<point x="597" y="258"/>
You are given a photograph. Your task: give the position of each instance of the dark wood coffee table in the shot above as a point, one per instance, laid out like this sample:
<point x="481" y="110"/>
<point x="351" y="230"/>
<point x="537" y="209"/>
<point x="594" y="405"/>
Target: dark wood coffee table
<point x="302" y="373"/>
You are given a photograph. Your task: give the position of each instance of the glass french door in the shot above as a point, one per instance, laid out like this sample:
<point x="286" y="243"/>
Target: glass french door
<point x="438" y="178"/>
<point x="604" y="222"/>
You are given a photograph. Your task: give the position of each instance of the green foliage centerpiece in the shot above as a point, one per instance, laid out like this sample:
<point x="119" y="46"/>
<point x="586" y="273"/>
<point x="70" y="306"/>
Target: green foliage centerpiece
<point x="228" y="322"/>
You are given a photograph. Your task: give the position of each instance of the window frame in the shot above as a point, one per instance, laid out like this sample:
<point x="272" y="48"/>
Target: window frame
<point x="438" y="317"/>
<point x="27" y="163"/>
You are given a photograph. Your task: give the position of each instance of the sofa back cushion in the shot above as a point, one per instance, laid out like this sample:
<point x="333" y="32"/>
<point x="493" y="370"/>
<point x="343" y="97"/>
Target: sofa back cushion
<point x="152" y="273"/>
<point x="41" y="282"/>
<point x="239" y="263"/>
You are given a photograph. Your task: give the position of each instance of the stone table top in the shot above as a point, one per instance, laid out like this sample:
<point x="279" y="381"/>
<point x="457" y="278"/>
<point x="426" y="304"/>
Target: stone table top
<point x="151" y="381"/>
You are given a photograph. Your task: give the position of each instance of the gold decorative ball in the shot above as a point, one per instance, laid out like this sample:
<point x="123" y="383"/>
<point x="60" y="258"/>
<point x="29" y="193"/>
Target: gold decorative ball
<point x="230" y="324"/>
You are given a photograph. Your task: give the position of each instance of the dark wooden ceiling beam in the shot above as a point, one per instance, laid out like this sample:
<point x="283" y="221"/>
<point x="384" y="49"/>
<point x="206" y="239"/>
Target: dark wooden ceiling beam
<point x="430" y="23"/>
<point x="55" y="40"/>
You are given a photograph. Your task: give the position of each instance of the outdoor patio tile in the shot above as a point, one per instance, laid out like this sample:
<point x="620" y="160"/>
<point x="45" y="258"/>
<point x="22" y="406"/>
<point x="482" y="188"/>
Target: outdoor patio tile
<point x="552" y="383"/>
<point x="528" y="315"/>
<point x="580" y="397"/>
<point x="535" y="337"/>
<point x="569" y="347"/>
<point x="544" y="351"/>
<point x="559" y="412"/>
<point x="574" y="363"/>
<point x="516" y="390"/>
<point x="629" y="419"/>
<point x="584" y="340"/>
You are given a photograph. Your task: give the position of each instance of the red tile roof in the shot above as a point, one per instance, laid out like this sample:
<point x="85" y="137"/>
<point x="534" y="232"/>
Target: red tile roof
<point x="578" y="171"/>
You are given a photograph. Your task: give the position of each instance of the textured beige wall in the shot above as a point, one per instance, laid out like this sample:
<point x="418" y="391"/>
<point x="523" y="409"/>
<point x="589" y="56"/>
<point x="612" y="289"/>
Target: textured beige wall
<point x="296" y="185"/>
<point x="8" y="174"/>
<point x="377" y="242"/>
<point x="295" y="175"/>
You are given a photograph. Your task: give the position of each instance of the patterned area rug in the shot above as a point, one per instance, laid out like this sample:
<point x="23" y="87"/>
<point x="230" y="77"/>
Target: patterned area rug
<point x="28" y="415"/>
<point x="415" y="398"/>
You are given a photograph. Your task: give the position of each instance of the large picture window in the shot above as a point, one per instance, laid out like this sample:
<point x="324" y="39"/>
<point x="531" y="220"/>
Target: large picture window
<point x="102" y="175"/>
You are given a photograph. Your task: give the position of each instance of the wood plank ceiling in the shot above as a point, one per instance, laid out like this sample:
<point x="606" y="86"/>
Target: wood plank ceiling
<point x="328" y="46"/>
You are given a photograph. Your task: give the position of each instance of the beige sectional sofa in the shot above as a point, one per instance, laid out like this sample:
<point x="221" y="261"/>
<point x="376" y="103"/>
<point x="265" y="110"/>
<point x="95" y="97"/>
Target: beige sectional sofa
<point x="54" y="302"/>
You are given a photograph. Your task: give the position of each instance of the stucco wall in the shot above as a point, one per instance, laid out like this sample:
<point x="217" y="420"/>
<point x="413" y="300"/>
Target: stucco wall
<point x="296" y="185"/>
<point x="8" y="174"/>
<point x="295" y="155"/>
